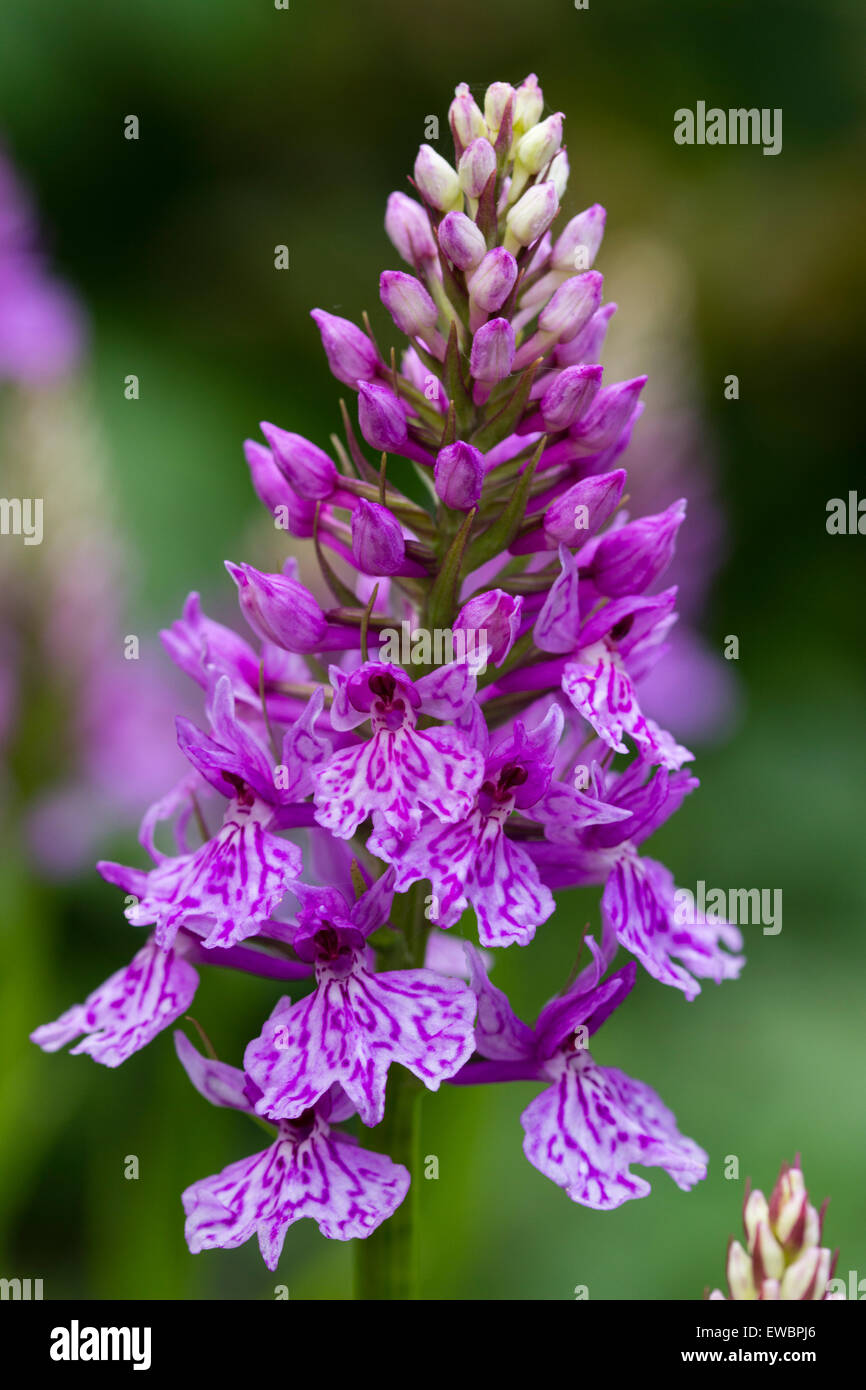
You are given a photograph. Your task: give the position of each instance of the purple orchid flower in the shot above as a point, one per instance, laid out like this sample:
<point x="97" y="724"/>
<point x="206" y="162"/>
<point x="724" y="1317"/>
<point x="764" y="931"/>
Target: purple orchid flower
<point x="517" y="611"/>
<point x="310" y="1170"/>
<point x="592" y="1122"/>
<point x="356" y="1022"/>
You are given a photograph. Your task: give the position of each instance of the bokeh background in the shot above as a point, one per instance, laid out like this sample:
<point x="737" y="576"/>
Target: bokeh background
<point x="261" y="127"/>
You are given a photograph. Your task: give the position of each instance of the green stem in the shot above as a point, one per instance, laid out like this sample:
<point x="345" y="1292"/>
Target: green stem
<point x="386" y="1263"/>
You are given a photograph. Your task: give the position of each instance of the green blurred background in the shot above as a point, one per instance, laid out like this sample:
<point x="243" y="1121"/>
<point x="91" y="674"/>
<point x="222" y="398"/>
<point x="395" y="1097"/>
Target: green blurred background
<point x="261" y="127"/>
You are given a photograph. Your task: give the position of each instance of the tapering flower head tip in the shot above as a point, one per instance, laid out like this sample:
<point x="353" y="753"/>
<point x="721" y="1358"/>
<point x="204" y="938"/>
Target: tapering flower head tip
<point x="307" y="467"/>
<point x="351" y="356"/>
<point x="782" y="1258"/>
<point x="278" y="608"/>
<point x="459" y="475"/>
<point x="378" y="546"/>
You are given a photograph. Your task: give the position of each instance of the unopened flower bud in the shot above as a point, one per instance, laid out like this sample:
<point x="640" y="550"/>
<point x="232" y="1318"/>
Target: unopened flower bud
<point x="497" y="614"/>
<point x="492" y="351"/>
<point x="569" y="396"/>
<point x="268" y="481"/>
<point x="794" y="1220"/>
<point x="577" y="514"/>
<point x="528" y="104"/>
<point x="558" y="173"/>
<point x="459" y="475"/>
<point x="490" y="285"/>
<point x="755" y="1212"/>
<point x="461" y="240"/>
<point x="768" y="1262"/>
<point x="477" y="163"/>
<point x="381" y="417"/>
<point x="608" y="415"/>
<point x="311" y="472"/>
<point x="496" y="99"/>
<point x="279" y="609"/>
<point x="739" y="1272"/>
<point x="807" y="1278"/>
<point x="586" y="345"/>
<point x="628" y="560"/>
<point x="437" y="181"/>
<point x="378" y="546"/>
<point x="538" y="146"/>
<point x="531" y="215"/>
<point x="408" y="303"/>
<point x="577" y="246"/>
<point x="571" y="306"/>
<point x="465" y="118"/>
<point x="351" y="355"/>
<point x="409" y="231"/>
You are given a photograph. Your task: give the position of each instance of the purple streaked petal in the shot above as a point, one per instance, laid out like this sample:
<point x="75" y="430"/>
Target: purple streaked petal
<point x="126" y="1012"/>
<point x="638" y="904"/>
<point x="350" y="1030"/>
<point x="592" y="1123"/>
<point x="398" y="772"/>
<point x="311" y="1171"/>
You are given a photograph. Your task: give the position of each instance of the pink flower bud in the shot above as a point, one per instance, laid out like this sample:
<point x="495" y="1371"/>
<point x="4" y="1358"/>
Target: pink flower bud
<point x="490" y="285"/>
<point x="477" y="163"/>
<point x="437" y="182"/>
<point x="460" y="239"/>
<point x="279" y="609"/>
<point x="577" y="514"/>
<point x="269" y="483"/>
<point x="378" y="546"/>
<point x="496" y="99"/>
<point x="531" y="215"/>
<point x="351" y="355"/>
<point x="571" y="306"/>
<point x="308" y="468"/>
<point x="540" y="143"/>
<point x="459" y="475"/>
<point x="608" y="415"/>
<point x="409" y="231"/>
<point x="381" y="417"/>
<point x="569" y="395"/>
<point x="580" y="240"/>
<point x="628" y="560"/>
<point x="497" y="614"/>
<point x="408" y="303"/>
<point x="492" y="351"/>
<point x="465" y="117"/>
<point x="586" y="345"/>
<point x="528" y="104"/>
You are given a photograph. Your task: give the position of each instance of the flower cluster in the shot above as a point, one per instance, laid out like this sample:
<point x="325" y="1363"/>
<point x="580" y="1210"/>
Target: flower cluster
<point x="352" y="800"/>
<point x="783" y="1258"/>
